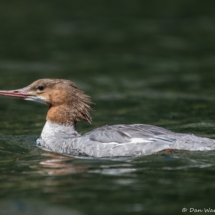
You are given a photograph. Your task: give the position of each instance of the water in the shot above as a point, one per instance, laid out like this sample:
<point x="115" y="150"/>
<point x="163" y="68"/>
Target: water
<point x="141" y="63"/>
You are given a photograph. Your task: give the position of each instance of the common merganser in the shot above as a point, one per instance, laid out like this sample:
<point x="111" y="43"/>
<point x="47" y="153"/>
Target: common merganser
<point x="68" y="105"/>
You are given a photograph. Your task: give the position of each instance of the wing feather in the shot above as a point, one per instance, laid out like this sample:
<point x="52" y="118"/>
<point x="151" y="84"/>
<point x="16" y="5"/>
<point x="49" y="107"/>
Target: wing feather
<point x="125" y="133"/>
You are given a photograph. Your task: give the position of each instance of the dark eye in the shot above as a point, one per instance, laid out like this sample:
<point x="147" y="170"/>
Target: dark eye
<point x="40" y="88"/>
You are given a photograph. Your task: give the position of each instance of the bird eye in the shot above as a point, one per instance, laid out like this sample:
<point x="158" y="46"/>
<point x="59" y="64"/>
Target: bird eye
<point x="40" y="88"/>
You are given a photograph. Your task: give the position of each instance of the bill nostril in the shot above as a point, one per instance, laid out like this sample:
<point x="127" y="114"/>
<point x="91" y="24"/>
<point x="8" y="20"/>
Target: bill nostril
<point x="15" y="91"/>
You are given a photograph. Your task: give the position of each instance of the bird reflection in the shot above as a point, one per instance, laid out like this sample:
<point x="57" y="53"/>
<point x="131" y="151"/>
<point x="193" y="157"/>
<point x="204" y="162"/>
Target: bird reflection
<point x="59" y="165"/>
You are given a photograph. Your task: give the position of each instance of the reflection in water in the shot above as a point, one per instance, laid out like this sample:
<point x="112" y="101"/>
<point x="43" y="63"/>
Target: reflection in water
<point x="118" y="171"/>
<point x="59" y="165"/>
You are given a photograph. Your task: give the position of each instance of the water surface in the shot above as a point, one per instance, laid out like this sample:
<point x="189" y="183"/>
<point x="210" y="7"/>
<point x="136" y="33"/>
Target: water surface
<point x="140" y="63"/>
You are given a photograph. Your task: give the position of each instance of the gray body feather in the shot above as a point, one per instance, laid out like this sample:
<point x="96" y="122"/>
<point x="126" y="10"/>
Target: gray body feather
<point x="118" y="140"/>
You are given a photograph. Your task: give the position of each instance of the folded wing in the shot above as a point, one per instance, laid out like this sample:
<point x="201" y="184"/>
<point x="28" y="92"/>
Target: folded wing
<point x="130" y="134"/>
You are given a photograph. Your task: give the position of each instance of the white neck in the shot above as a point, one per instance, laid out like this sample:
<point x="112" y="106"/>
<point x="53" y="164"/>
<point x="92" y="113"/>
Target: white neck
<point x="53" y="130"/>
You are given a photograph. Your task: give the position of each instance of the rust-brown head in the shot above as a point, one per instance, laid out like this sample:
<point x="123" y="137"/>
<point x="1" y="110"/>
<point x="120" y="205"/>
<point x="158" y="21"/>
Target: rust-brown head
<point x="67" y="104"/>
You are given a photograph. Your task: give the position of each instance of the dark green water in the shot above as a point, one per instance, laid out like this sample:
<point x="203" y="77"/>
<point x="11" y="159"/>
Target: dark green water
<point x="148" y="62"/>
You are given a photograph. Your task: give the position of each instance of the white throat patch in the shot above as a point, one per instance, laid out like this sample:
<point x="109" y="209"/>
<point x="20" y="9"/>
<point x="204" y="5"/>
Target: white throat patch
<point x="39" y="99"/>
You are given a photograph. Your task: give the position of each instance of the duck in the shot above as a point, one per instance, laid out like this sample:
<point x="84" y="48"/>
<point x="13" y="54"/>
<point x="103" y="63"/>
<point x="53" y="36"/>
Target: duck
<point x="67" y="105"/>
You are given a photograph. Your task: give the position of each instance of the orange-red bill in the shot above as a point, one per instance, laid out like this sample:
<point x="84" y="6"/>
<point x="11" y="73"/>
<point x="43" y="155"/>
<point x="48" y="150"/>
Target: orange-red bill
<point x="20" y="93"/>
